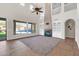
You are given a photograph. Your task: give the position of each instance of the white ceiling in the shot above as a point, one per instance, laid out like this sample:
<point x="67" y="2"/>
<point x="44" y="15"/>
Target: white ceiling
<point x="17" y="10"/>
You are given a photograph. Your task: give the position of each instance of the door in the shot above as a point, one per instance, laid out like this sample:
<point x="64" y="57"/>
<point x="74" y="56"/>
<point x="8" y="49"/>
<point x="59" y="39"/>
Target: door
<point x="3" y="33"/>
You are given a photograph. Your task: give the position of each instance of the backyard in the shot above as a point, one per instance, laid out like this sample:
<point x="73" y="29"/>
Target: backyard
<point x="2" y="30"/>
<point x="2" y="35"/>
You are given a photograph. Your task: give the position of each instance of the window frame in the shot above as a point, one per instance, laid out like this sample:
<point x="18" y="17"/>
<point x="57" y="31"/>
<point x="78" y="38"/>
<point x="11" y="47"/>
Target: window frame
<point x="33" y="31"/>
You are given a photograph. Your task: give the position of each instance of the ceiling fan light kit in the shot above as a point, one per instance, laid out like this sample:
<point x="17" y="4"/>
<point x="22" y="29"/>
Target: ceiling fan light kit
<point x="37" y="10"/>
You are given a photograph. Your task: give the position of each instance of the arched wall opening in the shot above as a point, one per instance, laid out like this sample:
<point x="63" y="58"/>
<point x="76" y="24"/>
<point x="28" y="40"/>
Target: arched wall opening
<point x="70" y="29"/>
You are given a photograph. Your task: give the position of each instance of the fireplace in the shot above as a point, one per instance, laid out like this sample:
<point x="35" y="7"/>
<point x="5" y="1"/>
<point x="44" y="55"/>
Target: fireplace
<point x="48" y="33"/>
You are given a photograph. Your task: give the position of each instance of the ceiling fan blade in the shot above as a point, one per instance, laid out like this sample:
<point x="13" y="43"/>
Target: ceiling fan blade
<point x="41" y="11"/>
<point x="40" y="8"/>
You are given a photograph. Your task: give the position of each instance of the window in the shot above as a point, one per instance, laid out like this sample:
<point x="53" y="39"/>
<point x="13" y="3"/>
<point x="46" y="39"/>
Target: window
<point x="20" y="27"/>
<point x="24" y="27"/>
<point x="69" y="6"/>
<point x="56" y="8"/>
<point x="56" y="5"/>
<point x="31" y="27"/>
<point x="57" y="27"/>
<point x="3" y="29"/>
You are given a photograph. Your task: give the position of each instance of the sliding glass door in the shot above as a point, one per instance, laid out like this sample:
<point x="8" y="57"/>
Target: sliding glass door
<point x="3" y="29"/>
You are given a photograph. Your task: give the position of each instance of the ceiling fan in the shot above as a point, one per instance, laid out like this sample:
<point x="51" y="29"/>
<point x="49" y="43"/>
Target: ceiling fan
<point x="37" y="10"/>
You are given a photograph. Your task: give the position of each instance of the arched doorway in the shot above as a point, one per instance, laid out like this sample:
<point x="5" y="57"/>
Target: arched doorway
<point x="70" y="29"/>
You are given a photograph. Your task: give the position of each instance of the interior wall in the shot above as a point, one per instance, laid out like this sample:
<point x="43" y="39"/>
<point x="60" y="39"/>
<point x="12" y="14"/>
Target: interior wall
<point x="14" y="11"/>
<point x="62" y="18"/>
<point x="41" y="21"/>
<point x="77" y="26"/>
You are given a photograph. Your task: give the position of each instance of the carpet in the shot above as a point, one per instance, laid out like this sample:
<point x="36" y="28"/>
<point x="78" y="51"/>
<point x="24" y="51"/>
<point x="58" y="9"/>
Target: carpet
<point x="41" y="44"/>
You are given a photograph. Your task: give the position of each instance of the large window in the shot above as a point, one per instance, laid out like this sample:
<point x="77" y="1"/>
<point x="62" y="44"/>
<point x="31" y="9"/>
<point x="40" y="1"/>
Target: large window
<point x="21" y="28"/>
<point x="24" y="27"/>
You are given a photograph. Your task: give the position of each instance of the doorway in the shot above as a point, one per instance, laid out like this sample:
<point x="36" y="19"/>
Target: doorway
<point x="70" y="29"/>
<point x="3" y="29"/>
